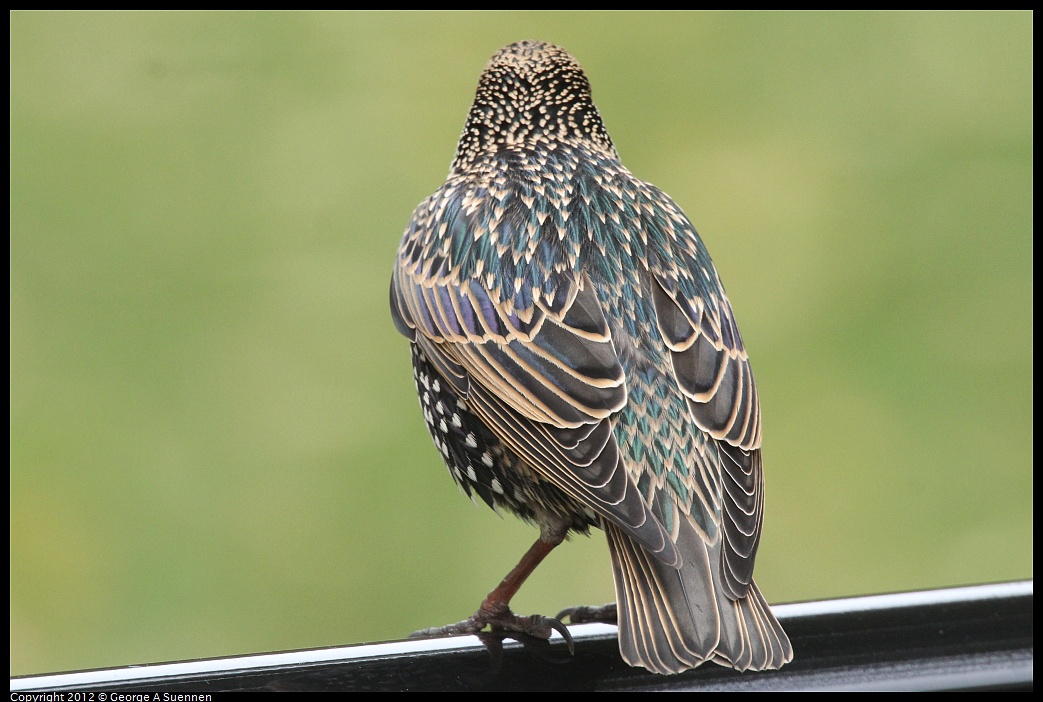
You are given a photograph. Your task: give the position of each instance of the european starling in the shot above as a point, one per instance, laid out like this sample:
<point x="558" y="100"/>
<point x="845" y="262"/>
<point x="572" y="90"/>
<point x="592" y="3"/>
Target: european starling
<point x="579" y="365"/>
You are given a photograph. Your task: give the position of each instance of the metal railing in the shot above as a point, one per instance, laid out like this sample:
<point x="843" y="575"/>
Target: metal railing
<point x="970" y="638"/>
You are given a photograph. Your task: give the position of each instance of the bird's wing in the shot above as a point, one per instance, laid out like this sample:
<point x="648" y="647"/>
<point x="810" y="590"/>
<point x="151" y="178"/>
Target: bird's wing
<point x="546" y="380"/>
<point x="710" y="365"/>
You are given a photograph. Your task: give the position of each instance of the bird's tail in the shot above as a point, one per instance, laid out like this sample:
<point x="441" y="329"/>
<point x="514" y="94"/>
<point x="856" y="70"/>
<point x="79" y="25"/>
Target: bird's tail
<point x="673" y="619"/>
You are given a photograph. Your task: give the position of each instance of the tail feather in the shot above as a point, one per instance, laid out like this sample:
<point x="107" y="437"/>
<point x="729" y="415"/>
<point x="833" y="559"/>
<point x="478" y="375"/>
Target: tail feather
<point x="671" y="619"/>
<point x="658" y="627"/>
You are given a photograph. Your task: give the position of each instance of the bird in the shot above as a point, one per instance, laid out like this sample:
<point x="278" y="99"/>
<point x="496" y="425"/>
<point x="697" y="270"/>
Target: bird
<point x="578" y="364"/>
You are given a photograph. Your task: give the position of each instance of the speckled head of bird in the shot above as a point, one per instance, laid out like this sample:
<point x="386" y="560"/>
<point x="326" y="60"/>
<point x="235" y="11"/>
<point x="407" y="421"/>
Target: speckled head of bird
<point x="531" y="92"/>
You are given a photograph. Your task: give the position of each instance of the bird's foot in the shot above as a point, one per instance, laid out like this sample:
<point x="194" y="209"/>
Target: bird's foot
<point x="501" y="620"/>
<point x="585" y="614"/>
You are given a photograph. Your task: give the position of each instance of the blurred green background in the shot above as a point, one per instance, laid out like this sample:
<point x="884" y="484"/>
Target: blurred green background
<point x="216" y="447"/>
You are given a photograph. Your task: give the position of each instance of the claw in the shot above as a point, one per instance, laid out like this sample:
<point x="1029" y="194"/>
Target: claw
<point x="585" y="614"/>
<point x="556" y="624"/>
<point x="505" y="622"/>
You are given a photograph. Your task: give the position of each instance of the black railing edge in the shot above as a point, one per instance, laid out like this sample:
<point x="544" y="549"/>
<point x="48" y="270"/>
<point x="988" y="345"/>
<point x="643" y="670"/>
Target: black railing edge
<point x="975" y="637"/>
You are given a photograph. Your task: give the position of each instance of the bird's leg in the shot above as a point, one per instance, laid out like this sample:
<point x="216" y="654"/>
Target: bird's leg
<point x="495" y="611"/>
